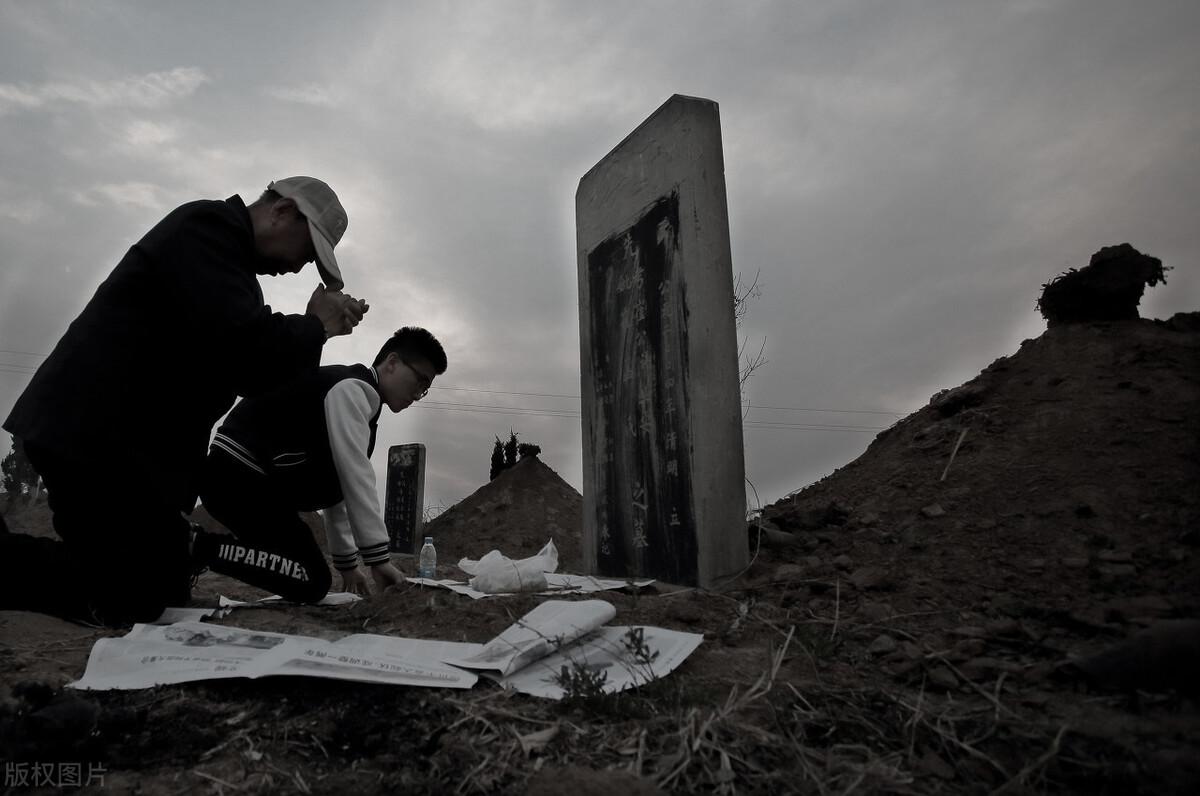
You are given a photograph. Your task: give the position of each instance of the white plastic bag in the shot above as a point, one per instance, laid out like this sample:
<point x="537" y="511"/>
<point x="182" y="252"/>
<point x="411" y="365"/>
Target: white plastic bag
<point x="496" y="573"/>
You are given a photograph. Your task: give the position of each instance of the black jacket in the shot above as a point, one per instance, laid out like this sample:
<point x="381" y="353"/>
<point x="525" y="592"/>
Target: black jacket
<point x="160" y="352"/>
<point x="285" y="435"/>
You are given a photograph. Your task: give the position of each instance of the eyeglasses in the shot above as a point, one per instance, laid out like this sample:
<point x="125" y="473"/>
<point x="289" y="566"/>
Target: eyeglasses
<point x="423" y="382"/>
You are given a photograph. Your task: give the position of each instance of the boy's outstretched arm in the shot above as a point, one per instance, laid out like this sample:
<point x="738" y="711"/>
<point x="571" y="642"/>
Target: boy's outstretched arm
<point x="349" y="407"/>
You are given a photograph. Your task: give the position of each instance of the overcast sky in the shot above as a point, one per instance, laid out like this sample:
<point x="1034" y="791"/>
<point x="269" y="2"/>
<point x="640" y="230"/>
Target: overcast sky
<point x="902" y="177"/>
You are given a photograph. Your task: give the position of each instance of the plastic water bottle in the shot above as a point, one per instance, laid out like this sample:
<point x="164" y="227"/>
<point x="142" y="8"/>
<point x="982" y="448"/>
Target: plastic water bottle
<point x="427" y="563"/>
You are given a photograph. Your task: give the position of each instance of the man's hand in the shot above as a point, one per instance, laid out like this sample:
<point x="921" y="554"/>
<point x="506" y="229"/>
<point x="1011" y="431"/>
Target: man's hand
<point x="354" y="581"/>
<point x="338" y="312"/>
<point x="386" y="575"/>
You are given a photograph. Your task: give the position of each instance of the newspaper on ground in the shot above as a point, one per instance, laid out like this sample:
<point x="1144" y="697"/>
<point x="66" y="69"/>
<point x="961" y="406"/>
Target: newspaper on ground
<point x="225" y="604"/>
<point x="151" y="655"/>
<point x="531" y="656"/>
<point x="557" y="583"/>
<point x="332" y="598"/>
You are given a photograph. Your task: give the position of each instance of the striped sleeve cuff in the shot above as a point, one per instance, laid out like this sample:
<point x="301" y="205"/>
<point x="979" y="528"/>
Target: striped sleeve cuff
<point x="375" y="554"/>
<point x="345" y="561"/>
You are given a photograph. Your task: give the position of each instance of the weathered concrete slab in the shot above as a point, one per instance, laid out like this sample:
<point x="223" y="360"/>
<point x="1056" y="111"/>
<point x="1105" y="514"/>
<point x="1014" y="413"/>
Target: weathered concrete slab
<point x="663" y="473"/>
<point x="404" y="498"/>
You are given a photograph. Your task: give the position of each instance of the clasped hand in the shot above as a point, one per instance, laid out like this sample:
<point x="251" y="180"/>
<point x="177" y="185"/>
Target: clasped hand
<point x="338" y="312"/>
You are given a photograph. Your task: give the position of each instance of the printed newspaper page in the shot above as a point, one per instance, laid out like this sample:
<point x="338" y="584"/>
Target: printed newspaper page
<point x="152" y="655"/>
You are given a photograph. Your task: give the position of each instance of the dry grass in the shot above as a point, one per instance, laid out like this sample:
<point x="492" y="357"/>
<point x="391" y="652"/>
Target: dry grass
<point x="772" y="735"/>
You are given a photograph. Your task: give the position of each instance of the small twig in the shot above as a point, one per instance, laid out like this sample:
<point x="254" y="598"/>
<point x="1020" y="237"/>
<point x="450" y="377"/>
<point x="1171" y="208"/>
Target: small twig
<point x="994" y="700"/>
<point x="217" y="780"/>
<point x="999" y="685"/>
<point x="837" y="606"/>
<point x="1036" y="764"/>
<point x="517" y="716"/>
<point x="916" y="717"/>
<point x="320" y="745"/>
<point x="729" y="579"/>
<point x="953" y="453"/>
<point x="471" y="774"/>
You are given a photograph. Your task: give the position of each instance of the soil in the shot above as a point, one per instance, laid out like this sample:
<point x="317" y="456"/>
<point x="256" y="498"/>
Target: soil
<point x="1001" y="594"/>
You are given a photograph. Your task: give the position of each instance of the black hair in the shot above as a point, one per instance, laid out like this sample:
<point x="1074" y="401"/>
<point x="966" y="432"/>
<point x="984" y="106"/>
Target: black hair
<point x="413" y="341"/>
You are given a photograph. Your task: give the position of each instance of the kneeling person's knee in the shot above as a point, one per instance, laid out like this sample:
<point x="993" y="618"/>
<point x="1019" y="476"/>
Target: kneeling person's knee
<point x="313" y="584"/>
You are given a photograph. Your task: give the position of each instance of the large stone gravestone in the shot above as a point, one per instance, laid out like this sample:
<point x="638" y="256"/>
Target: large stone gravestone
<point x="663" y="470"/>
<point x="404" y="497"/>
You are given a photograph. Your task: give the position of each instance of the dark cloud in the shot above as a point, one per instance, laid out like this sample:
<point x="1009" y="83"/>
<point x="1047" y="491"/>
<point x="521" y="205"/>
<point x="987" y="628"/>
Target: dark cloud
<point x="901" y="176"/>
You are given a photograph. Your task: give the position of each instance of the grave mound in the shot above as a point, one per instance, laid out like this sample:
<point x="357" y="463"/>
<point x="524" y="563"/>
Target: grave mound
<point x="1056" y="489"/>
<point x="517" y="513"/>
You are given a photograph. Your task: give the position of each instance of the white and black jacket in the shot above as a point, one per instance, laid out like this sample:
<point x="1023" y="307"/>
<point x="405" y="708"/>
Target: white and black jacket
<point x="313" y="440"/>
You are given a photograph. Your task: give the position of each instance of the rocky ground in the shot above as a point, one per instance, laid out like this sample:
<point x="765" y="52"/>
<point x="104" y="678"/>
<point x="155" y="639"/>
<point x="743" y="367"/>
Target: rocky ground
<point x="1002" y="594"/>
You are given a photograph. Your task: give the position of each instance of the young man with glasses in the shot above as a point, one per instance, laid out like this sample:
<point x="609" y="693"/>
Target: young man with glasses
<point x="305" y="447"/>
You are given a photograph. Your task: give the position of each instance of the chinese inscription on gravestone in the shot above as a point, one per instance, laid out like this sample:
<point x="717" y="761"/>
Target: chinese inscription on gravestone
<point x="663" y="468"/>
<point x="404" y="500"/>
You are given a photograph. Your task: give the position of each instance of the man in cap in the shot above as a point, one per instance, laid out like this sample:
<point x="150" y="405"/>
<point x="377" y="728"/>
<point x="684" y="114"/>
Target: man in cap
<point x="117" y="419"/>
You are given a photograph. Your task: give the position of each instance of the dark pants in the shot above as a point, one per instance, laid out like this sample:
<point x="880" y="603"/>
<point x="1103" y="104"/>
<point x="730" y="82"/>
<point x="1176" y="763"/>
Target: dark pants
<point x="271" y="548"/>
<point x="121" y="556"/>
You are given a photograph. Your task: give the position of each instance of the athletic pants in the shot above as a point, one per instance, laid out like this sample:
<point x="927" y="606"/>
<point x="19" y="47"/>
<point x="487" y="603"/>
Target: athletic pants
<point x="271" y="547"/>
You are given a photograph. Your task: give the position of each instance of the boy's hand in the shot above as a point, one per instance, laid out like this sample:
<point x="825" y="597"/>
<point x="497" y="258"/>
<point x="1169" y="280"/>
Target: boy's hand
<point x="355" y="582"/>
<point x="386" y="575"/>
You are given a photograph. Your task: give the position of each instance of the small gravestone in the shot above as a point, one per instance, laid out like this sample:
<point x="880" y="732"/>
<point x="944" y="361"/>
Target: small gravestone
<point x="663" y="473"/>
<point x="404" y="501"/>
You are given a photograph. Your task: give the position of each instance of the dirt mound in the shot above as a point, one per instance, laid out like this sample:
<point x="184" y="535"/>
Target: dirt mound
<point x="517" y="513"/>
<point x="1065" y="474"/>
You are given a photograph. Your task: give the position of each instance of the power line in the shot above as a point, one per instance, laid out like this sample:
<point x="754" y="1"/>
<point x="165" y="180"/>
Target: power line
<point x="751" y="406"/>
<point x="813" y="427"/>
<point x="572" y="412"/>
<point x="520" y="411"/>
<point x="14" y="367"/>
<point x="836" y="411"/>
<point x="503" y="392"/>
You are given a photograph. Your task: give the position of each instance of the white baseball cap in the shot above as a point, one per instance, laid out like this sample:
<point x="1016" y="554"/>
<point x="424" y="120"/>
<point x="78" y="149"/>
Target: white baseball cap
<point x="327" y="220"/>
